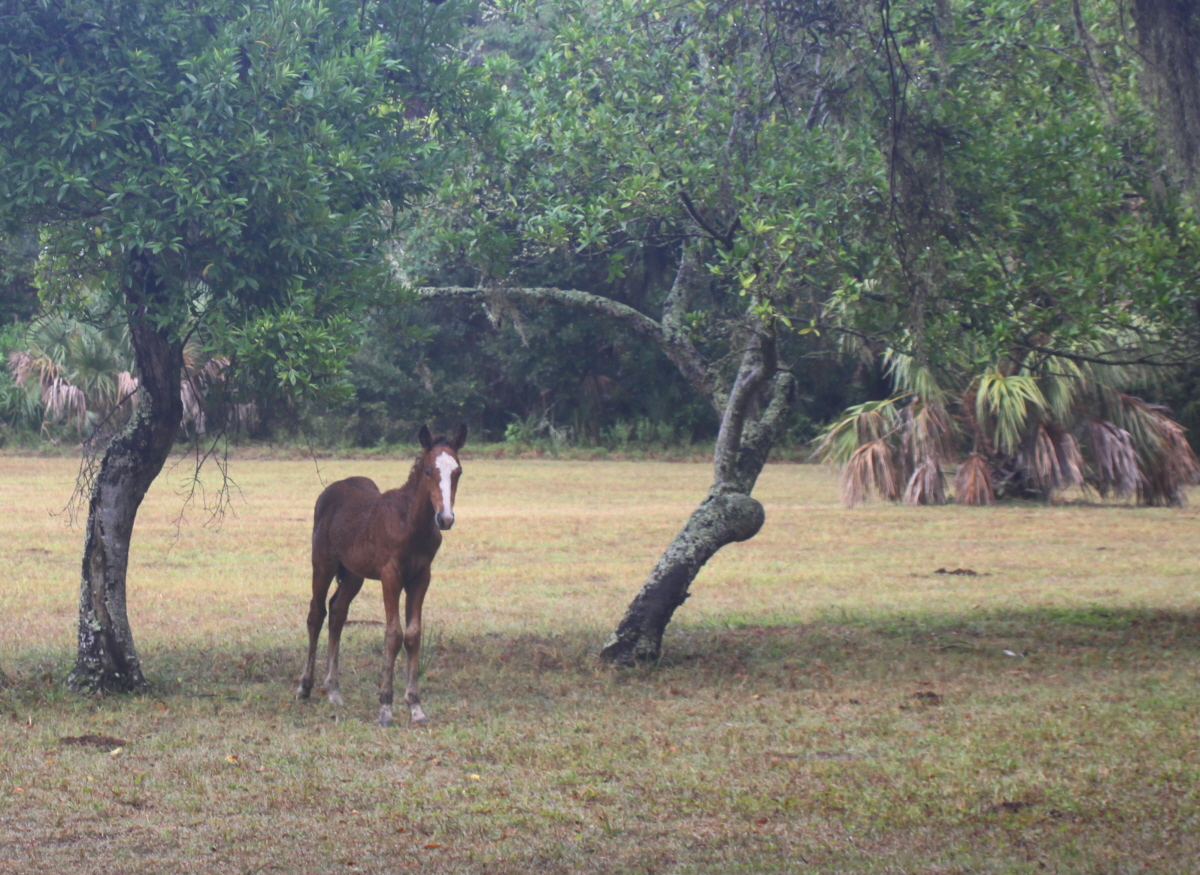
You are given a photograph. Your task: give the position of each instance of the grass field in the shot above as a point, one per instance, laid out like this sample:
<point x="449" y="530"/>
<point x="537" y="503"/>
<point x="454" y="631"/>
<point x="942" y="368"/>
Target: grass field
<point x="827" y="702"/>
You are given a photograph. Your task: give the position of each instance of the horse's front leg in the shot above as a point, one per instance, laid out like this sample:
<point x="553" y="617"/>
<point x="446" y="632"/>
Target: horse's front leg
<point x="391" y="642"/>
<point x="414" y="598"/>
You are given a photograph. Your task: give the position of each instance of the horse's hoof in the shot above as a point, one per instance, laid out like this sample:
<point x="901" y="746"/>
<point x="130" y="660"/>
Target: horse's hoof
<point x="385" y="716"/>
<point x="418" y="716"/>
<point x="302" y="693"/>
<point x="335" y="698"/>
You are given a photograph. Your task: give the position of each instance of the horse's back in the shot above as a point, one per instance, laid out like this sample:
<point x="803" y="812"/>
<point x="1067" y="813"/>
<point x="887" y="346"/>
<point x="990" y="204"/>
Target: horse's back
<point x="342" y="509"/>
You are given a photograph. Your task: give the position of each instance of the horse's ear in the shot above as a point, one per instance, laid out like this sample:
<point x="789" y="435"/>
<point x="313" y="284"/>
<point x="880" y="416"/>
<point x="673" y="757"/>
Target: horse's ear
<point x="460" y="437"/>
<point x="425" y="437"/>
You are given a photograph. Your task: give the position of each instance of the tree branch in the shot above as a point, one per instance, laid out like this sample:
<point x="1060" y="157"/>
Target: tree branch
<point x="1150" y="360"/>
<point x="667" y="335"/>
<point x="759" y="364"/>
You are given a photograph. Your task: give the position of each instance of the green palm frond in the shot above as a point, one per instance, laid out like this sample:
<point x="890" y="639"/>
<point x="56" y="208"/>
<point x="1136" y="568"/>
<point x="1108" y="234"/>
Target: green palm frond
<point x="912" y="378"/>
<point x="1004" y="402"/>
<point x="858" y="426"/>
<point x="1062" y="383"/>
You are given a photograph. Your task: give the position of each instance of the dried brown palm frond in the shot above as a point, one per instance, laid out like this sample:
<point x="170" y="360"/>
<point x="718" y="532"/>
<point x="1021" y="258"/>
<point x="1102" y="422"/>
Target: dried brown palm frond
<point x="1114" y="467"/>
<point x="927" y="485"/>
<point x="1051" y="459"/>
<point x="1165" y="458"/>
<point x="193" y="405"/>
<point x="871" y="471"/>
<point x="973" y="483"/>
<point x="926" y="443"/>
<point x="33" y="365"/>
<point x="927" y="435"/>
<point x="127" y="386"/>
<point x="63" y="401"/>
<point x="1171" y="470"/>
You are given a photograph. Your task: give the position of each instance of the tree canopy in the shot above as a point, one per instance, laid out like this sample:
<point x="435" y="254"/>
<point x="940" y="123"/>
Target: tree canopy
<point x="222" y="170"/>
<point x="967" y="188"/>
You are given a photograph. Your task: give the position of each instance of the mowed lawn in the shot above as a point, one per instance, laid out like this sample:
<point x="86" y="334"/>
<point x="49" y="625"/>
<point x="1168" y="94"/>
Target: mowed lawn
<point x="831" y="697"/>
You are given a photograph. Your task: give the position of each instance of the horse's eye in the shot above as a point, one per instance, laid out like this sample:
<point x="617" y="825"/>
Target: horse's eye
<point x="428" y="472"/>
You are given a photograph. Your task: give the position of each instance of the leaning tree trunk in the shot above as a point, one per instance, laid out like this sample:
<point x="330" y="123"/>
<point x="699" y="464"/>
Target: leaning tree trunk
<point x="728" y="514"/>
<point x="107" y="659"/>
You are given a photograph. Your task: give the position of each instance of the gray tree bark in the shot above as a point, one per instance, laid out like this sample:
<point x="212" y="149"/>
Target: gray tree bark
<point x="107" y="659"/>
<point x="728" y="513"/>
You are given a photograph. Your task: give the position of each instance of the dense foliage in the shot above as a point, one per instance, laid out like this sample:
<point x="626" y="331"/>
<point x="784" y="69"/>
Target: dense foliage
<point x="222" y="172"/>
<point x="975" y="186"/>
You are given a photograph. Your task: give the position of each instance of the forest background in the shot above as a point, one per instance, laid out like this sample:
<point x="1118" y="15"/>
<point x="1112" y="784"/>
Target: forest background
<point x="955" y="184"/>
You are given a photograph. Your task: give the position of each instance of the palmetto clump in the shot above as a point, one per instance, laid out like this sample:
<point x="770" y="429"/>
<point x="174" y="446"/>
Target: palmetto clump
<point x="77" y="377"/>
<point x="1031" y="433"/>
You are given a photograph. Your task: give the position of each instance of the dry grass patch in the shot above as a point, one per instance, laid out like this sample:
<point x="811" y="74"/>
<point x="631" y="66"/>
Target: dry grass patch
<point x="827" y="703"/>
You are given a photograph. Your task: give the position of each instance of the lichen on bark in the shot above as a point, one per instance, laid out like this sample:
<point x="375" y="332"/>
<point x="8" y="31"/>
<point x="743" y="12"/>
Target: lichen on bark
<point x="106" y="658"/>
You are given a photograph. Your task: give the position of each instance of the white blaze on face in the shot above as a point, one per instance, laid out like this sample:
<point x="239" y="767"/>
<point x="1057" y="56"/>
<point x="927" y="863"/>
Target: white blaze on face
<point x="446" y="466"/>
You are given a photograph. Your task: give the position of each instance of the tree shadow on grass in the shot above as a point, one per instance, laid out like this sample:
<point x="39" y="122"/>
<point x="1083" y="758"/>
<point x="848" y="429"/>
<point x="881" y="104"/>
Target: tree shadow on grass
<point x="837" y="647"/>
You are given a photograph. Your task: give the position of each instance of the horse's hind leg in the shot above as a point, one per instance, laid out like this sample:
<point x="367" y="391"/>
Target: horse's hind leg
<point x="339" y="606"/>
<point x="322" y="578"/>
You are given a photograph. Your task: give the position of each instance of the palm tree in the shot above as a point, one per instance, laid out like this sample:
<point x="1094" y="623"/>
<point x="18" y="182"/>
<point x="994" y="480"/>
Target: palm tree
<point x="78" y="373"/>
<point x="1035" y="427"/>
<point x="77" y="377"/>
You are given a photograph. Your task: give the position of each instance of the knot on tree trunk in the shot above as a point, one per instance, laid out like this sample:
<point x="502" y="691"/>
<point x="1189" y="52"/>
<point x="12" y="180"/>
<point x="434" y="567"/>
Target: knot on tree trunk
<point x="737" y="514"/>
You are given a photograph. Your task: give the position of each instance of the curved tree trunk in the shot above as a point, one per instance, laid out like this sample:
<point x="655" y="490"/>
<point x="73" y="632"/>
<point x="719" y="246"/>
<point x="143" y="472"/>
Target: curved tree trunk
<point x="107" y="659"/>
<point x="727" y="515"/>
<point x="722" y="518"/>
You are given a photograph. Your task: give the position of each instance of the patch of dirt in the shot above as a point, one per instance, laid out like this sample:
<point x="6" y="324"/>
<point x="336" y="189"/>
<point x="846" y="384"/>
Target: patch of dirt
<point x="965" y="572"/>
<point x="107" y="742"/>
<point x="1007" y="807"/>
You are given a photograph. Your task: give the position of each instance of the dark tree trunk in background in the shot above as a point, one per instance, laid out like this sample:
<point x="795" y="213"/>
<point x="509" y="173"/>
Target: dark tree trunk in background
<point x="1168" y="35"/>
<point x="107" y="659"/>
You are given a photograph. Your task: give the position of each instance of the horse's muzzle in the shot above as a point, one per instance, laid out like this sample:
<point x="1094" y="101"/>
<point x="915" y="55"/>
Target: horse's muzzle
<point x="444" y="522"/>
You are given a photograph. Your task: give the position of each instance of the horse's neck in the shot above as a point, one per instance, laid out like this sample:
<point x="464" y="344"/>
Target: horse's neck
<point x="415" y="494"/>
